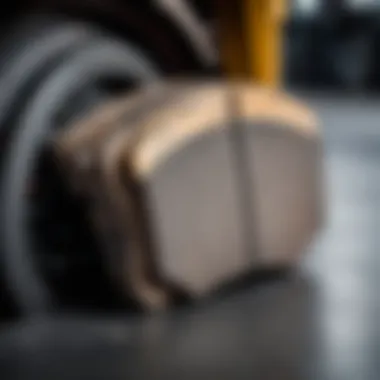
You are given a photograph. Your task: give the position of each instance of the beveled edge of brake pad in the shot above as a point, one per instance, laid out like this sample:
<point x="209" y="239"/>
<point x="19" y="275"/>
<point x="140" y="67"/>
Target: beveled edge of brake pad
<point x="254" y="102"/>
<point x="122" y="112"/>
<point x="160" y="136"/>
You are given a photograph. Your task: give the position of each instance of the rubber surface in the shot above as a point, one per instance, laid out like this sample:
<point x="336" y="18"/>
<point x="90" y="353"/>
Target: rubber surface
<point x="104" y="58"/>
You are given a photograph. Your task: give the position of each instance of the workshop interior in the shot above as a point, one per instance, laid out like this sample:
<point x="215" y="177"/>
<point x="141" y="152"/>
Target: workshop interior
<point x="190" y="188"/>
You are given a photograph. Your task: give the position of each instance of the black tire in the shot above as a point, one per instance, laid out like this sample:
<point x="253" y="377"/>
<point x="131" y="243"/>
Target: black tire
<point x="104" y="57"/>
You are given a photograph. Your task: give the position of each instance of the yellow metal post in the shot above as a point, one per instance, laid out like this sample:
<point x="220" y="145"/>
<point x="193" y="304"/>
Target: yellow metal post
<point x="250" y="38"/>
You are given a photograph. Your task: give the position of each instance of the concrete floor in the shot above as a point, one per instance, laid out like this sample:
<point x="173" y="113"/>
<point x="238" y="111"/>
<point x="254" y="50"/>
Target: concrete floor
<point x="346" y="260"/>
<point x="322" y="324"/>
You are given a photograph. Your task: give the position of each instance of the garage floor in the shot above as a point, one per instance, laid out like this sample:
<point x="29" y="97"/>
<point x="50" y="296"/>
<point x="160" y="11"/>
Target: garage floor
<point x="321" y="324"/>
<point x="346" y="261"/>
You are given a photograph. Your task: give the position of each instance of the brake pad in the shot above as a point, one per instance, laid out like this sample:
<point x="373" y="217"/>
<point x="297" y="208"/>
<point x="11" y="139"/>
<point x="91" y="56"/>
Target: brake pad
<point x="192" y="185"/>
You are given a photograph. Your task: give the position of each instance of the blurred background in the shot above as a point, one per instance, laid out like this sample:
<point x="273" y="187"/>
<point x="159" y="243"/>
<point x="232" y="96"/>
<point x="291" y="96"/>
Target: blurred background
<point x="334" y="44"/>
<point x="320" y="323"/>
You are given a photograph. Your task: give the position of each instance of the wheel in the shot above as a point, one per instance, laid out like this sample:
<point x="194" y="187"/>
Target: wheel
<point x="97" y="69"/>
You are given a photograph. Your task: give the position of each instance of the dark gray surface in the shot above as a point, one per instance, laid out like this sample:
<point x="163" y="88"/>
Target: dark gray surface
<point x="322" y="325"/>
<point x="259" y="333"/>
<point x="346" y="262"/>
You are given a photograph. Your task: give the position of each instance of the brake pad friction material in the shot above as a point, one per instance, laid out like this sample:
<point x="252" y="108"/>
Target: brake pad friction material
<point x="164" y="175"/>
<point x="185" y="163"/>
